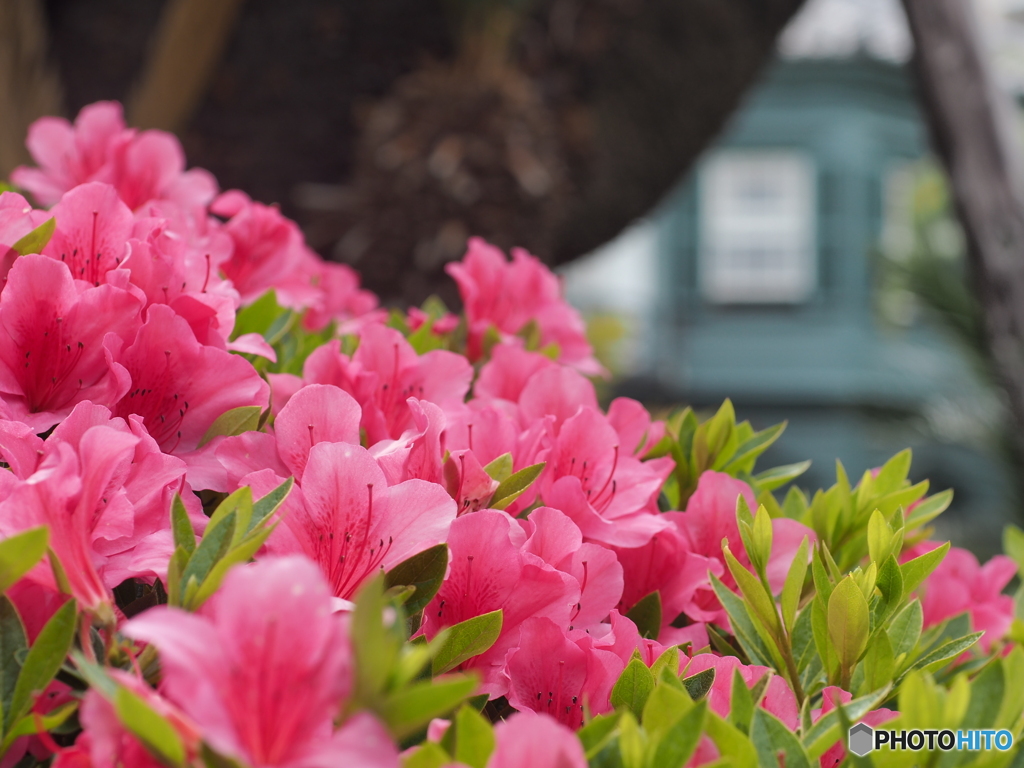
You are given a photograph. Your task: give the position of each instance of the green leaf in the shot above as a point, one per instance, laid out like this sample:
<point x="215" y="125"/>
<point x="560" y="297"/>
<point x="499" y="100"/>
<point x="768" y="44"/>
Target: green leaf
<point x="633" y="687"/>
<point x="669" y="659"/>
<point x="776" y="477"/>
<point x="754" y="593"/>
<point x="36" y="240"/>
<point x="773" y="741"/>
<point x="259" y="317"/>
<point x="646" y="614"/>
<point x="879" y="537"/>
<point x="34" y="723"/>
<point x="753" y="447"/>
<point x="820" y="737"/>
<point x="501" y="468"/>
<point x="474" y="738"/>
<point x="424" y="571"/>
<point x="733" y="745"/>
<point x="13" y="645"/>
<point x="513" y="486"/>
<point x="245" y="418"/>
<point x="762" y="538"/>
<point x="427" y="755"/>
<point x="43" y="660"/>
<point x="598" y="732"/>
<point x="1013" y="545"/>
<point x="678" y="744"/>
<point x="742" y="703"/>
<point x="243" y="553"/>
<point x="742" y="625"/>
<point x="945" y="652"/>
<point x="376" y="649"/>
<point x="879" y="662"/>
<point x="20" y="553"/>
<point x="905" y="628"/>
<point x="267" y="505"/>
<point x="848" y="622"/>
<point x="408" y="710"/>
<point x="181" y="526"/>
<point x="212" y="547"/>
<point x="239" y="503"/>
<point x="794" y="585"/>
<point x="893" y="473"/>
<point x="917" y="570"/>
<point x="928" y="509"/>
<point x="467" y="639"/>
<point x="156" y="734"/>
<point x="699" y="685"/>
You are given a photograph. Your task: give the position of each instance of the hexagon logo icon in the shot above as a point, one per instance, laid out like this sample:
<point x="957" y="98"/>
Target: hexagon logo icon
<point x="861" y="739"/>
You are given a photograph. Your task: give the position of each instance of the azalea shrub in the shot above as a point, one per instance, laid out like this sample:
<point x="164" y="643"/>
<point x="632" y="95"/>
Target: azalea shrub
<point x="248" y="517"/>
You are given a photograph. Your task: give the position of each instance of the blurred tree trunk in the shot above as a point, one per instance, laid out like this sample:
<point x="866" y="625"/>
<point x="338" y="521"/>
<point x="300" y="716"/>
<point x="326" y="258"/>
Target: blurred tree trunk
<point x="971" y="126"/>
<point x="29" y="86"/>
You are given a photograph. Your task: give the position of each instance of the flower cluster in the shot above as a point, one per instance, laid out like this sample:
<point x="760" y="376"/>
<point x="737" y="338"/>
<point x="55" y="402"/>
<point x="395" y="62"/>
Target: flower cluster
<point x="249" y="518"/>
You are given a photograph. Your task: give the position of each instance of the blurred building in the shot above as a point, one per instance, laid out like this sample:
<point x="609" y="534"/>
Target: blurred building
<point x="758" y="279"/>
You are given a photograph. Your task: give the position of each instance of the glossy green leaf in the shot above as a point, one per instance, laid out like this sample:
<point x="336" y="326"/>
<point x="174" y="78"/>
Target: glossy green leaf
<point x="917" y="570"/>
<point x="848" y="622"/>
<point x="13" y="646"/>
<point x="245" y="418"/>
<point x="43" y="660"/>
<point x="794" y="584"/>
<point x="669" y="659"/>
<point x="633" y="687"/>
<point x="467" y="639"/>
<point x="20" y="553"/>
<point x="37" y="239"/>
<point x="425" y="571"/>
<point x="156" y="734"/>
<point x="181" y="526"/>
<point x="678" y="744"/>
<point x="513" y="486"/>
<point x="699" y="685"/>
<point x="408" y="710"/>
<point x="474" y="738"/>
<point x="905" y="628"/>
<point x="775" y="743"/>
<point x="646" y="614"/>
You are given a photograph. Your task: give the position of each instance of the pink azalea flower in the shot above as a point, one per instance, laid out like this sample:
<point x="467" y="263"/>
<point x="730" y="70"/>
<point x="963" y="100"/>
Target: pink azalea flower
<point x="832" y="697"/>
<point x="142" y="166"/>
<point x="507" y="296"/>
<point x="384" y="373"/>
<point x="556" y="540"/>
<point x="504" y="376"/>
<point x="93" y="227"/>
<point x="553" y="674"/>
<point x="418" y="453"/>
<point x="467" y="482"/>
<point x="261" y="691"/>
<point x="778" y="697"/>
<point x="54" y="352"/>
<point x="535" y="740"/>
<point x="179" y="386"/>
<point x="960" y="584"/>
<point x="487" y="571"/>
<point x="709" y="518"/>
<point x="339" y="297"/>
<point x="638" y="433"/>
<point x="17" y="219"/>
<point x="104" y="741"/>
<point x="345" y="518"/>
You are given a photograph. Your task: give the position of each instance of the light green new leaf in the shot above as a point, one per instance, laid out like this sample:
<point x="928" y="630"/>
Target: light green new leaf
<point x="474" y="738"/>
<point x="633" y="687"/>
<point x="753" y="447"/>
<point x="646" y="614"/>
<point x="467" y="639"/>
<point x="879" y="662"/>
<point x="376" y="649"/>
<point x="742" y="624"/>
<point x="776" y="477"/>
<point x="427" y="755"/>
<point x="669" y="659"/>
<point x="245" y="418"/>
<point x="408" y="710"/>
<point x="820" y="737"/>
<point x="36" y="240"/>
<point x="742" y="703"/>
<point x="1013" y="545"/>
<point x="181" y="526"/>
<point x="43" y="660"/>
<point x="424" y="571"/>
<point x="678" y="744"/>
<point x="773" y="741"/>
<point x="848" y="622"/>
<point x="513" y="486"/>
<point x="754" y="593"/>
<point x="794" y="585"/>
<point x="156" y="734"/>
<point x="905" y="628"/>
<point x="732" y="744"/>
<point x="500" y="469"/>
<point x="20" y="553"/>
<point x="917" y="570"/>
<point x="945" y="652"/>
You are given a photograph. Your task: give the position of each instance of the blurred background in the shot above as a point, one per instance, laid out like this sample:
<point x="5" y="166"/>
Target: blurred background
<point x="746" y="198"/>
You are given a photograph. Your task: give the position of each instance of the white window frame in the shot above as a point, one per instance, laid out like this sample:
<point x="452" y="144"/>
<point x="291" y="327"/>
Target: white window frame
<point x="788" y="234"/>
